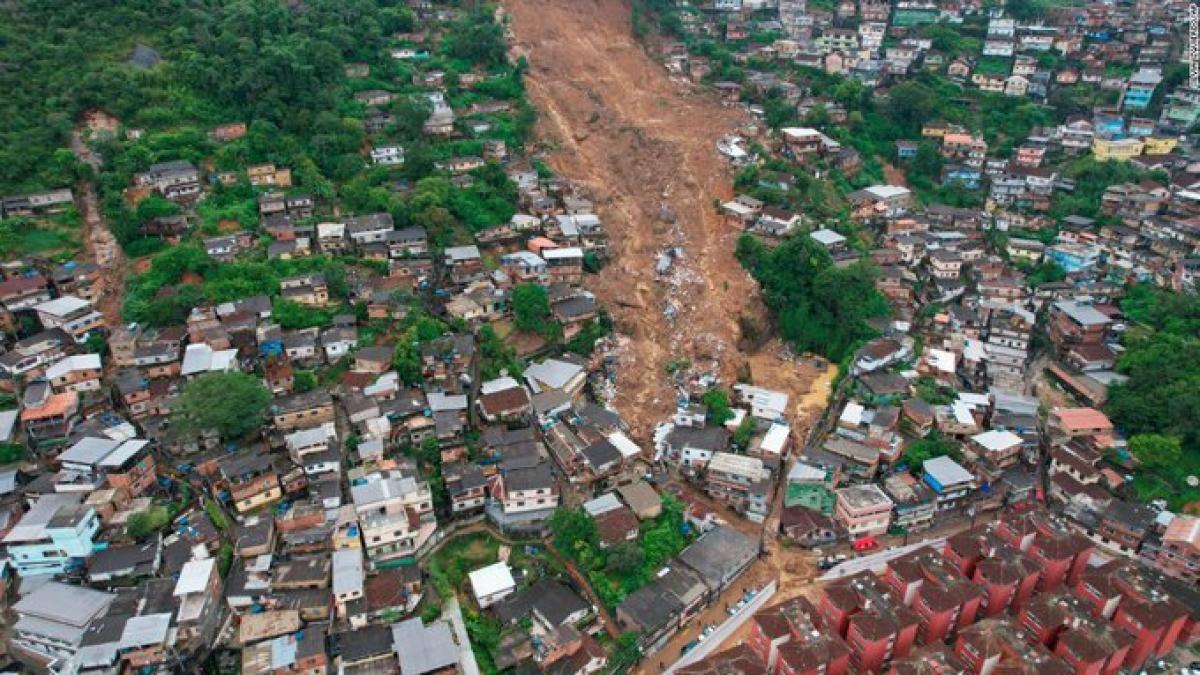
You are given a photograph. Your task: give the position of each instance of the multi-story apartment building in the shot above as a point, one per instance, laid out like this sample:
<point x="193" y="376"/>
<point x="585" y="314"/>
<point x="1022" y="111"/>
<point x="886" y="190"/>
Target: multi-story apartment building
<point x="863" y="510"/>
<point x="395" y="513"/>
<point x="740" y="480"/>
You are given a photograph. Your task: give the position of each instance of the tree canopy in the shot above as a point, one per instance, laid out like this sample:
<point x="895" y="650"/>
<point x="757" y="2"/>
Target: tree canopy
<point x="818" y="307"/>
<point x="232" y="404"/>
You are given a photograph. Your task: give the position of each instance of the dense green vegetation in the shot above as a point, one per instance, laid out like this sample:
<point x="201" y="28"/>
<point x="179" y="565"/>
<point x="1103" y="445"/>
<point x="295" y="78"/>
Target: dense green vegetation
<point x="232" y="404"/>
<point x="817" y="307"/>
<point x="931" y="446"/>
<point x="622" y="569"/>
<point x="1159" y="405"/>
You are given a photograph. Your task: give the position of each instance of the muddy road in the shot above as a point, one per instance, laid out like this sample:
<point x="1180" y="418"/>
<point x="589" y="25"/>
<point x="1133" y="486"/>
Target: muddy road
<point x="613" y="121"/>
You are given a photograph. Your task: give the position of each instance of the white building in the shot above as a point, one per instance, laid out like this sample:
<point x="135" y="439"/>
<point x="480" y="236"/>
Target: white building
<point x="492" y="584"/>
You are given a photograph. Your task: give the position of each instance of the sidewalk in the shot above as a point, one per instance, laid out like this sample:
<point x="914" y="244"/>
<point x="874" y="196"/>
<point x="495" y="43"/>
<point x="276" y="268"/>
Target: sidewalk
<point x="466" y="658"/>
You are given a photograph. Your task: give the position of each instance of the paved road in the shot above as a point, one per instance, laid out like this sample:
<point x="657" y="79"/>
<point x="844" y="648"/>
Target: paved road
<point x="876" y="561"/>
<point x="466" y="658"/>
<point x="722" y="632"/>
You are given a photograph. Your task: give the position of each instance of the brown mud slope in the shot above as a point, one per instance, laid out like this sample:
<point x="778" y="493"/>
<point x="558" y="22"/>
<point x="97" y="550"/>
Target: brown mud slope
<point x="613" y="120"/>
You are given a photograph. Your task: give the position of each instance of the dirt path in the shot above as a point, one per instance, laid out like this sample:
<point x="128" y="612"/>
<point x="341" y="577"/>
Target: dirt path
<point x="99" y="243"/>
<point x="613" y="121"/>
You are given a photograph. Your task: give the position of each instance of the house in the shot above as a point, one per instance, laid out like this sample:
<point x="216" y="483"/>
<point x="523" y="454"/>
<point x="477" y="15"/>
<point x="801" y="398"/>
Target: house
<point x="177" y="180"/>
<point x="306" y="289"/>
<point x="57" y="532"/>
<point x="1140" y="88"/>
<point x="75" y="316"/>
<point x="740" y="480"/>
<point x="395" y="513"/>
<point x="503" y="399"/>
<point x="425" y="649"/>
<point x="880" y="201"/>
<point x="301" y="652"/>
<point x="642" y="498"/>
<point x="53" y="619"/>
<point x="97" y="462"/>
<point x="950" y="482"/>
<point x="806" y="527"/>
<point x="1123" y="149"/>
<point x="387" y="155"/>
<point x="863" y="510"/>
<point x="879" y="354"/>
<point x="198" y="596"/>
<point x="560" y="374"/>
<point x="492" y="584"/>
<point x="24" y="292"/>
<point x="78" y="373"/>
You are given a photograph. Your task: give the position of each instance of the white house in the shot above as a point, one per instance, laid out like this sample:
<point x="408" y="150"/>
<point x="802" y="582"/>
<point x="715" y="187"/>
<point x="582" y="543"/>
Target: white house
<point x="492" y="584"/>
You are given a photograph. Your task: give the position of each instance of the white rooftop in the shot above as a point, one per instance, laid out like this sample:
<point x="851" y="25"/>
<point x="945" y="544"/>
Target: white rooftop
<point x="946" y="471"/>
<point x="996" y="440"/>
<point x="624" y="444"/>
<point x="73" y="363"/>
<point x="201" y="358"/>
<point x="63" y="306"/>
<point x="886" y="191"/>
<point x="193" y="578"/>
<point x="492" y="579"/>
<point x="852" y="414"/>
<point x="602" y="504"/>
<point x="347" y="571"/>
<point x="826" y="237"/>
<point x="776" y="438"/>
<point x="941" y="360"/>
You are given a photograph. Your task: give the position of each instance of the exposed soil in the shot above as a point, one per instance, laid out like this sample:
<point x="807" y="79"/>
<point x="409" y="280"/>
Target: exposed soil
<point x="612" y="120"/>
<point x="99" y="243"/>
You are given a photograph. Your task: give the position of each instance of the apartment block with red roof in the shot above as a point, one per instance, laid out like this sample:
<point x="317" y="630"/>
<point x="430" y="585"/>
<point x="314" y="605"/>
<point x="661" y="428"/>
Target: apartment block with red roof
<point x="1061" y="553"/>
<point x="997" y="645"/>
<point x="791" y="639"/>
<point x="873" y="620"/>
<point x="1136" y="602"/>
<point x="936" y="659"/>
<point x="1062" y="623"/>
<point x="944" y="600"/>
<point x="1008" y="579"/>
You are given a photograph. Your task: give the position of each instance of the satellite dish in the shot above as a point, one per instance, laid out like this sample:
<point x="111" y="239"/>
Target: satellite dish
<point x="1193" y="481"/>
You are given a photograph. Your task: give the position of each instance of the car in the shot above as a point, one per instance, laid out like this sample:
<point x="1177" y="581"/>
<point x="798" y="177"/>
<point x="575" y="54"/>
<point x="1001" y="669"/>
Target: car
<point x="688" y="647"/>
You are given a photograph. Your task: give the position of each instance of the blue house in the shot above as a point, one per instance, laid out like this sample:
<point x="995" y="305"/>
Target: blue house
<point x="1108" y="125"/>
<point x="949" y="481"/>
<point x="906" y="149"/>
<point x="962" y="175"/>
<point x="1074" y="257"/>
<point x="1141" y="88"/>
<point x="57" y="534"/>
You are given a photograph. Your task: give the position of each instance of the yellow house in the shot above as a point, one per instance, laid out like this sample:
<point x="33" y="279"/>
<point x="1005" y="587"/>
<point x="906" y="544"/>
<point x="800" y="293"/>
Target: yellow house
<point x="1159" y="145"/>
<point x="1121" y="150"/>
<point x="256" y="493"/>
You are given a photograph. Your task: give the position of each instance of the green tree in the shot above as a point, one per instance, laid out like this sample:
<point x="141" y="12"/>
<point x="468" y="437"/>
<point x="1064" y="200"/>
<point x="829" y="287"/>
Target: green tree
<point x="625" y="558"/>
<point x="1156" y="452"/>
<point x="232" y="404"/>
<point x="145" y="524"/>
<point x="531" y="307"/>
<point x="304" y="381"/>
<point x="11" y="452"/>
<point x="933" y="445"/>
<point x="627" y="652"/>
<point x="571" y="528"/>
<point x="716" y="402"/>
<point x="818" y="307"/>
<point x="744" y="433"/>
